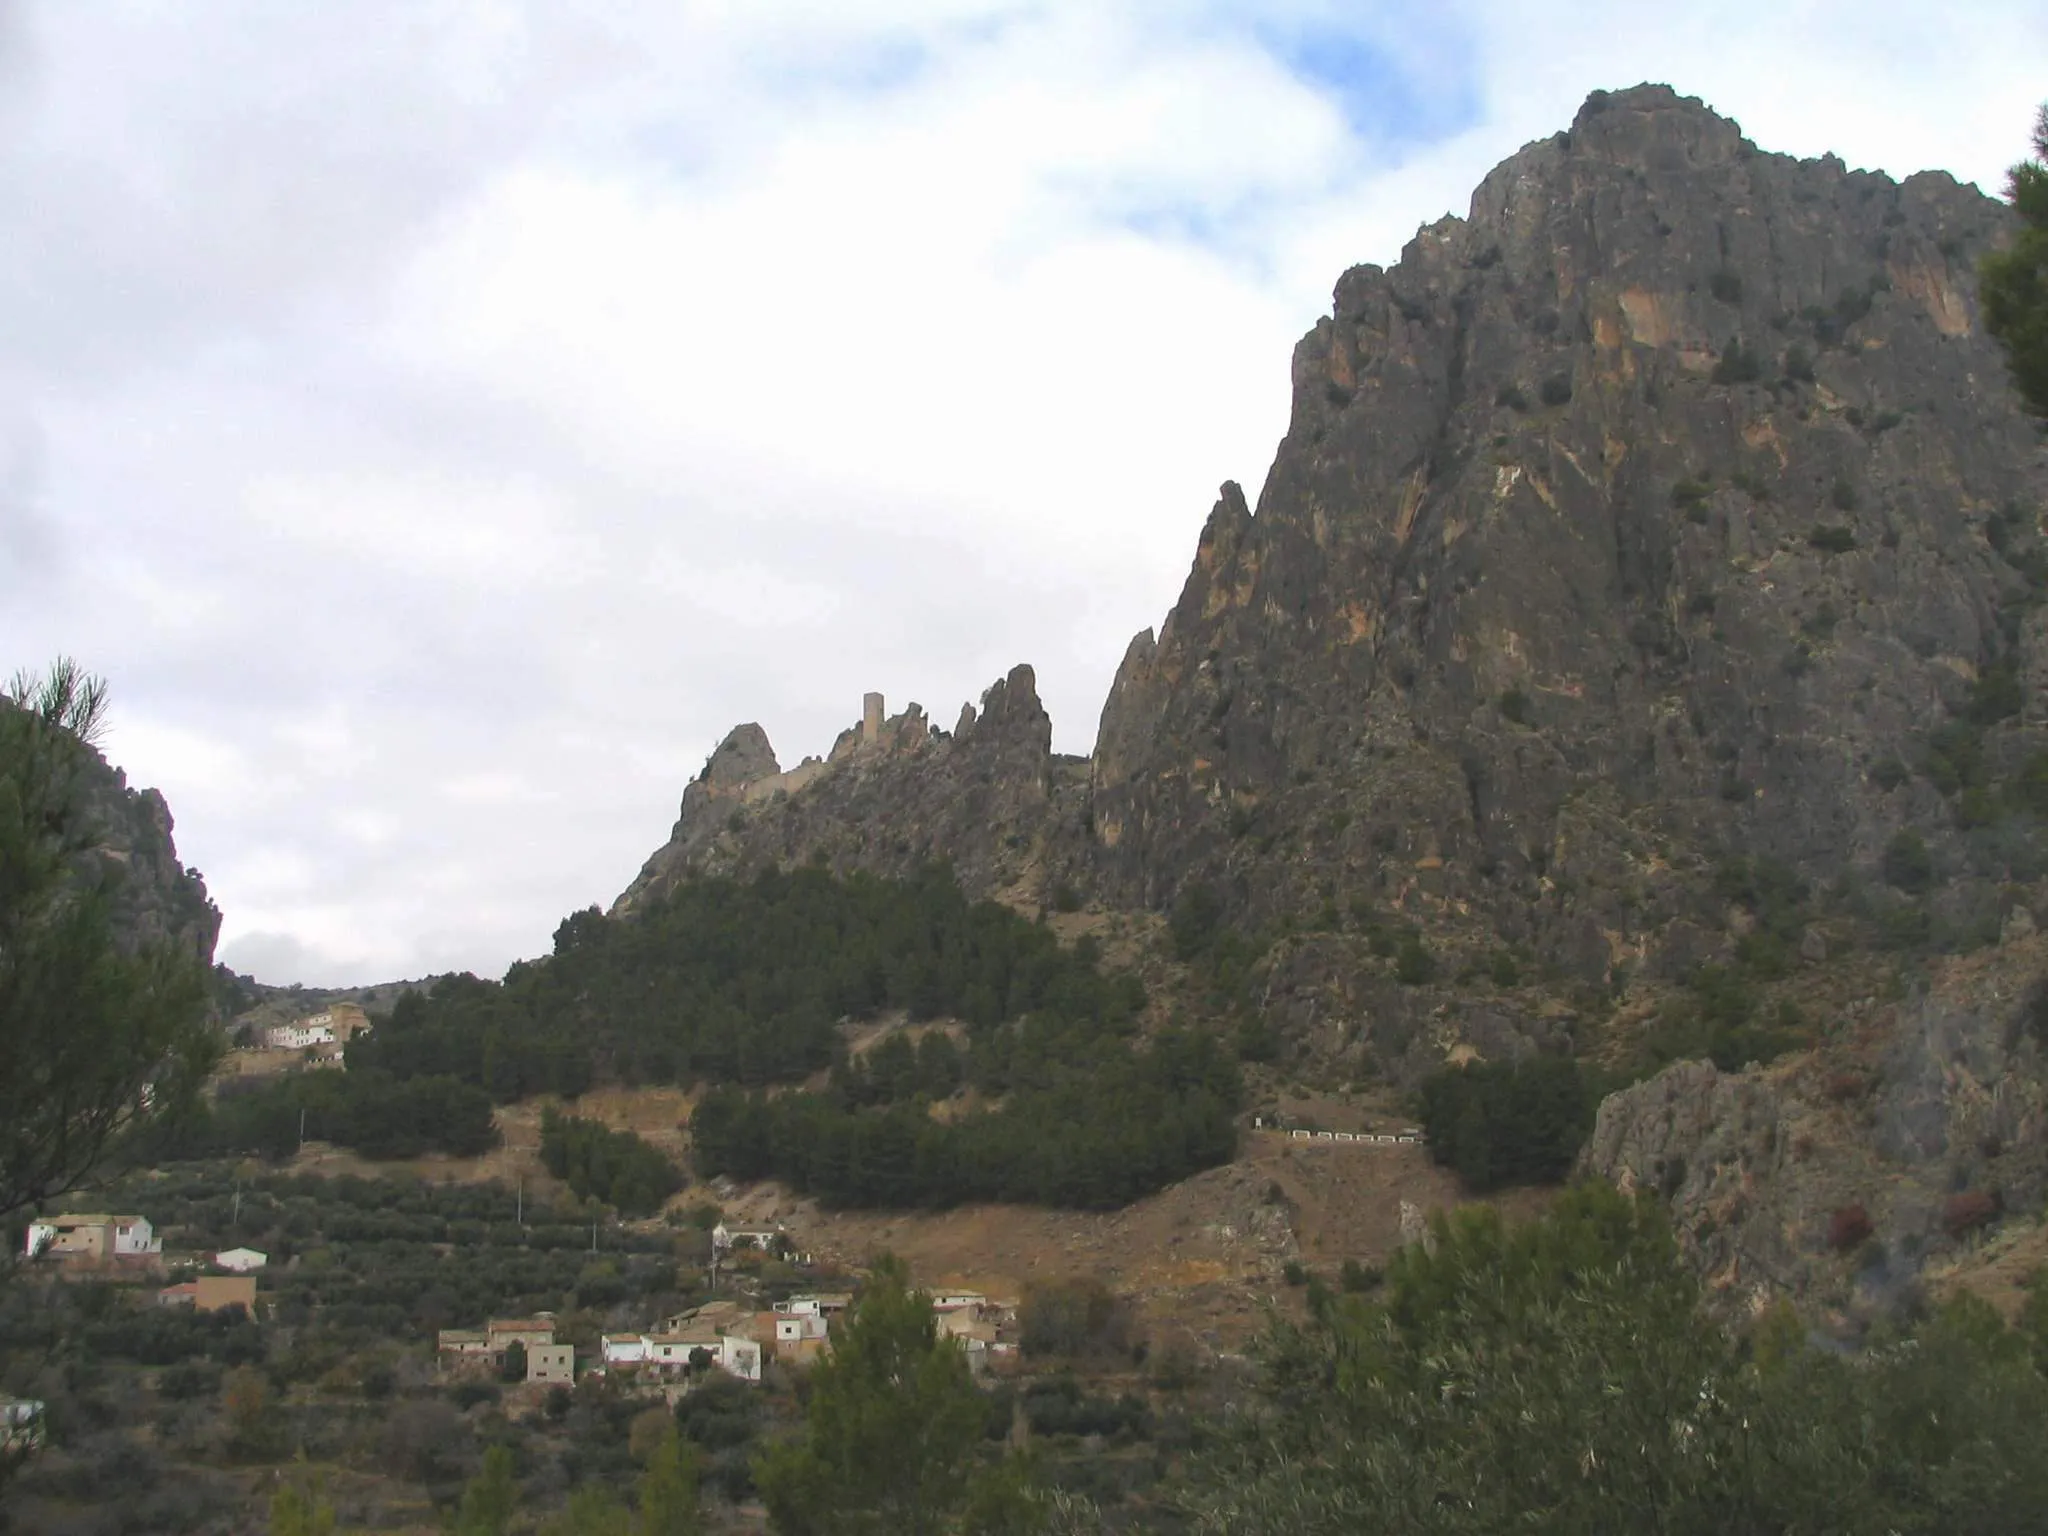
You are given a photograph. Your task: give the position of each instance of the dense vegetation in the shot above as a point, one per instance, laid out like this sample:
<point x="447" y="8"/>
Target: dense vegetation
<point x="890" y="1438"/>
<point x="1561" y="1377"/>
<point x="1087" y="1122"/>
<point x="367" y="1111"/>
<point x="739" y="982"/>
<point x="598" y="1163"/>
<point x="1499" y="1123"/>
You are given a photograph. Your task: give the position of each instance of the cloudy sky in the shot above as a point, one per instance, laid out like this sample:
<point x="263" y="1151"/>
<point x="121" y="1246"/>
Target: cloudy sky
<point x="441" y="421"/>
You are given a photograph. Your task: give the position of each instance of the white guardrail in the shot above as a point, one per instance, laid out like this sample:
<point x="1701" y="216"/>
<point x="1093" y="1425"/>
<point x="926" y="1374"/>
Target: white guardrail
<point x="1373" y="1138"/>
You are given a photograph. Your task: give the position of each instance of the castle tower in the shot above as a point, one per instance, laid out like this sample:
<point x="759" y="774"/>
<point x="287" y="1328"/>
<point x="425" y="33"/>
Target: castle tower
<point x="870" y="719"/>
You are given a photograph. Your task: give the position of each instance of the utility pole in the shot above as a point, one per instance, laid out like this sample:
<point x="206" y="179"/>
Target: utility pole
<point x="519" y="1208"/>
<point x="302" y="1129"/>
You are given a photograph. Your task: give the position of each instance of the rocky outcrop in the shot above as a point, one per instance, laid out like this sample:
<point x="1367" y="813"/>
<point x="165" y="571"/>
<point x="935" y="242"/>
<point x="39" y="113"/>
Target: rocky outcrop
<point x="1644" y="506"/>
<point x="1914" y="1124"/>
<point x="131" y="856"/>
<point x="1648" y="515"/>
<point x="895" y="794"/>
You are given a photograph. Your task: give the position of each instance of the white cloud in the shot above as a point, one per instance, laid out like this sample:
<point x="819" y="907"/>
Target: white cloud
<point x="443" y="422"/>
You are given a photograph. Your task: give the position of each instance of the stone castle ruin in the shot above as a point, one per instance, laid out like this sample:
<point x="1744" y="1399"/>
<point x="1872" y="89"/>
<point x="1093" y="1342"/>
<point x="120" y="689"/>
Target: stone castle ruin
<point x="901" y="773"/>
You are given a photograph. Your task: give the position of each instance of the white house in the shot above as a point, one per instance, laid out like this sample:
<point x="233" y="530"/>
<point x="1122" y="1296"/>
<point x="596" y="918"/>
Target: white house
<point x="725" y="1238"/>
<point x="958" y="1301"/>
<point x="732" y="1354"/>
<point x="623" y="1348"/>
<point x="739" y="1357"/>
<point x="94" y="1236"/>
<point x="318" y="1030"/>
<point x="795" y="1327"/>
<point x="240" y="1260"/>
<point x="824" y="1304"/>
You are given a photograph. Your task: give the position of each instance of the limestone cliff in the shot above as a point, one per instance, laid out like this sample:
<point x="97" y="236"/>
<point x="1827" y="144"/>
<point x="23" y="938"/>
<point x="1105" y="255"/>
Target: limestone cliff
<point x="132" y="856"/>
<point x="1653" y="513"/>
<point x="1844" y="1172"/>
<point x="894" y="794"/>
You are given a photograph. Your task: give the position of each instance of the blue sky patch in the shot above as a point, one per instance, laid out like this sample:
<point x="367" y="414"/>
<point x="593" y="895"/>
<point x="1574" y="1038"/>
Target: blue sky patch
<point x="1381" y="94"/>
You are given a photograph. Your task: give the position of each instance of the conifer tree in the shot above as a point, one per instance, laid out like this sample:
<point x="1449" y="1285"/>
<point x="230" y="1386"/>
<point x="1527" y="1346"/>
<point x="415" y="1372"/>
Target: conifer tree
<point x="889" y="1442"/>
<point x="96" y="1034"/>
<point x="2014" y="282"/>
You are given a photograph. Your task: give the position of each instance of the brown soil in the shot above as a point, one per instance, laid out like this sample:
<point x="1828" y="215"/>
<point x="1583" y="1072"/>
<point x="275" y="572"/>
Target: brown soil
<point x="1206" y="1255"/>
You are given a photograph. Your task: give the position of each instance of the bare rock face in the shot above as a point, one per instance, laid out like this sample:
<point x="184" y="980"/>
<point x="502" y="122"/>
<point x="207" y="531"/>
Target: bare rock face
<point x="1854" y="1167"/>
<point x="1644" y="506"/>
<point x="894" y="800"/>
<point x="153" y="898"/>
<point x="1626" y="524"/>
<point x="743" y="758"/>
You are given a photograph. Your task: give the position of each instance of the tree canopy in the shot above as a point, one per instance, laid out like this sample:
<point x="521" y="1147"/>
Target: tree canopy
<point x="97" y="1034"/>
<point x="740" y="981"/>
<point x="1562" y="1377"/>
<point x="889" y="1446"/>
<point x="2013" y="283"/>
<point x="598" y="1163"/>
<point x="1499" y="1123"/>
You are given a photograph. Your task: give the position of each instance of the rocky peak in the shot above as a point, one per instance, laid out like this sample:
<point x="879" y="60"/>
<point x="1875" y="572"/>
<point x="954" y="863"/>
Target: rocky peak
<point x="743" y="758"/>
<point x="154" y="899"/>
<point x="1634" y="521"/>
<point x="895" y="793"/>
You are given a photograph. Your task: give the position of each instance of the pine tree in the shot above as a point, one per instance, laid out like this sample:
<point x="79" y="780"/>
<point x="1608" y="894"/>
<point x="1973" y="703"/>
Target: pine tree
<point x="889" y="1443"/>
<point x="95" y="1036"/>
<point x="2013" y="283"/>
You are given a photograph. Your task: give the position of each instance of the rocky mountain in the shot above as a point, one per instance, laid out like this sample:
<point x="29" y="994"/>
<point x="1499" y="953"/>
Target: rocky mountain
<point x="132" y="855"/>
<point x="1650" y="515"/>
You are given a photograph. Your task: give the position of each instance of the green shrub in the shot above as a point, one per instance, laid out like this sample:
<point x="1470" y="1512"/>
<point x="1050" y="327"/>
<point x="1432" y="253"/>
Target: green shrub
<point x="1725" y="286"/>
<point x="1511" y="397"/>
<point x="1414" y="965"/>
<point x="1996" y="695"/>
<point x="1500" y="1123"/>
<point x="1557" y="389"/>
<point x="1831" y="538"/>
<point x="1843" y="495"/>
<point x="1888" y="773"/>
<point x="1798" y="365"/>
<point x="598" y="1163"/>
<point x="1514" y="706"/>
<point x="1906" y="864"/>
<point x="1738" y="365"/>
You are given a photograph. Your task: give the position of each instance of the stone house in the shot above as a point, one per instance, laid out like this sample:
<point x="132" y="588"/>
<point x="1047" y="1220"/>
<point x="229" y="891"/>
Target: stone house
<point x="460" y="1346"/>
<point x="551" y="1363"/>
